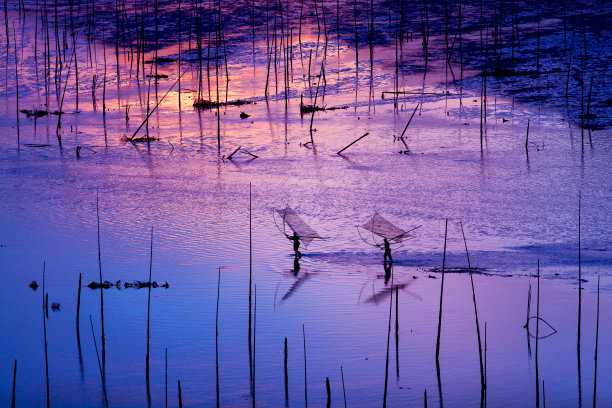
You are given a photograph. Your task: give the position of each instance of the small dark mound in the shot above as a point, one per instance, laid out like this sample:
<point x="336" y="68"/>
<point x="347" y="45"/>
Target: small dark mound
<point x="208" y="104"/>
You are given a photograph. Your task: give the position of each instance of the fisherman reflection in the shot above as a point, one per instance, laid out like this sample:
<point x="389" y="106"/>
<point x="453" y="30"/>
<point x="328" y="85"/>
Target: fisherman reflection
<point x="296" y="266"/>
<point x="296" y="244"/>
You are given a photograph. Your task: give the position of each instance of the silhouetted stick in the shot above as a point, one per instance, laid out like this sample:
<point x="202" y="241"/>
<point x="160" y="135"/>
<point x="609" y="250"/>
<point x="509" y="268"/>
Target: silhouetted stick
<point x="93" y="334"/>
<point x="579" y="300"/>
<point x="527" y="137"/>
<point x="17" y="82"/>
<point x="286" y="375"/>
<point x="537" y="372"/>
<point x="482" y="382"/>
<point x="343" y="389"/>
<point x="103" y="341"/>
<point x="155" y="107"/>
<point x="149" y="318"/>
<point x="14" y="380"/>
<point x="217" y="338"/>
<point x="397" y="331"/>
<point x="305" y="372"/>
<point x="527" y="321"/>
<point x="425" y="398"/>
<point x="596" y="346"/>
<point x="250" y="287"/>
<point x="485" y="362"/>
<point x="254" y="336"/>
<point x="234" y="152"/>
<point x="439" y="378"/>
<point x="388" y="343"/>
<point x="409" y="120"/>
<point x="352" y="143"/>
<point x="166" y="377"/>
<point x="441" y="292"/>
<point x="78" y="305"/>
<point x="180" y="396"/>
<point x="328" y="388"/>
<point x="78" y="330"/>
<point x="45" y="337"/>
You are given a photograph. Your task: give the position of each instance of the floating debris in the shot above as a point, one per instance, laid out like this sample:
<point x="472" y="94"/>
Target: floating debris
<point x="142" y="139"/>
<point x="244" y="115"/>
<point x="55" y="307"/>
<point x="459" y="270"/>
<point x="160" y="60"/>
<point x="207" y="104"/>
<point x="135" y="284"/>
<point x="500" y="73"/>
<point x="158" y="76"/>
<point x="34" y="113"/>
<point x="33" y="285"/>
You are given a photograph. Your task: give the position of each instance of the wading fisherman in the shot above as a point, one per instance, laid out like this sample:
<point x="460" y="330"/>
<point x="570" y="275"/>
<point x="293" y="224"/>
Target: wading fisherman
<point x="296" y="244"/>
<point x="387" y="252"/>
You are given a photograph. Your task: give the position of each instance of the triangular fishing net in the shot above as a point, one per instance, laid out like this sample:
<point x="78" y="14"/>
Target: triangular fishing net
<point x="298" y="225"/>
<point x="383" y="228"/>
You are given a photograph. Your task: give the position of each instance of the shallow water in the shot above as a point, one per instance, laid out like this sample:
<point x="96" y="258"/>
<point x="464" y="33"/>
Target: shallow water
<point x="516" y="209"/>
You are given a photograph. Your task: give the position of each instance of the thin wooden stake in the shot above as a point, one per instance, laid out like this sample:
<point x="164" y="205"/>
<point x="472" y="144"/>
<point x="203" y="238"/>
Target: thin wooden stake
<point x="596" y="347"/>
<point x="93" y="334"/>
<point x="286" y="376"/>
<point x="328" y="388"/>
<point x="180" y="395"/>
<point x="352" y="143"/>
<point x="343" y="389"/>
<point x="305" y="372"/>
<point x="441" y="292"/>
<point x="217" y="338"/>
<point x="537" y="372"/>
<point x="14" y="381"/>
<point x="482" y="380"/>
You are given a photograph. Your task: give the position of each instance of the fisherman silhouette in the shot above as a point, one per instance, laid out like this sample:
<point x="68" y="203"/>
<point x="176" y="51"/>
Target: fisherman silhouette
<point x="387" y="252"/>
<point x="296" y="244"/>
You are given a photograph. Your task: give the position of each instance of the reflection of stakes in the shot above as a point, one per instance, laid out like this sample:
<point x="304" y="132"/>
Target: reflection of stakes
<point x="352" y="143"/>
<point x="93" y="334"/>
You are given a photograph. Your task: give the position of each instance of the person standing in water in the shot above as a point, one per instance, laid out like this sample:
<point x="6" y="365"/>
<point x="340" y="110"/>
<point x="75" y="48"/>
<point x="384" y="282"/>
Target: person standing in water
<point x="296" y="244"/>
<point x="387" y="252"/>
